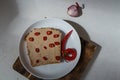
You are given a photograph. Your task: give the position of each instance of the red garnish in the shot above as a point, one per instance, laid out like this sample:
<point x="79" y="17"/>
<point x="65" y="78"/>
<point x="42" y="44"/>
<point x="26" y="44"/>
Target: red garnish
<point x="37" y="61"/>
<point x="51" y="45"/>
<point x="31" y="39"/>
<point x="45" y="47"/>
<point x="45" y="38"/>
<point x="37" y="33"/>
<point x="56" y="35"/>
<point x="69" y="54"/>
<point x="49" y="32"/>
<point x="45" y="58"/>
<point x="65" y="39"/>
<point x="37" y="50"/>
<point x="57" y="57"/>
<point x="57" y="43"/>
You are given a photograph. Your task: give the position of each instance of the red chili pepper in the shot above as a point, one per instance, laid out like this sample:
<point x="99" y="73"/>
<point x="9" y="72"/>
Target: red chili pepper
<point x="70" y="54"/>
<point x="65" y="40"/>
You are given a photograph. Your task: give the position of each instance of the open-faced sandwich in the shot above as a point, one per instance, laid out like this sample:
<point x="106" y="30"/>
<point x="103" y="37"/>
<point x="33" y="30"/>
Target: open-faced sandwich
<point x="46" y="46"/>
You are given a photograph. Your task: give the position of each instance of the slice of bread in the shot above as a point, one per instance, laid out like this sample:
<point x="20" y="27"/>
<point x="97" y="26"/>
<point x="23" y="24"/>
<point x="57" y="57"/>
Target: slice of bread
<point x="44" y="46"/>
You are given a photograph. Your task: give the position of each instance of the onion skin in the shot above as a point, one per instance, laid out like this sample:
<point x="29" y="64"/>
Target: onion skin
<point x="74" y="10"/>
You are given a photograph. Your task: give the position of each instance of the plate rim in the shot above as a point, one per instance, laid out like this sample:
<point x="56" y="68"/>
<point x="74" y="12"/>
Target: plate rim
<point x="32" y="26"/>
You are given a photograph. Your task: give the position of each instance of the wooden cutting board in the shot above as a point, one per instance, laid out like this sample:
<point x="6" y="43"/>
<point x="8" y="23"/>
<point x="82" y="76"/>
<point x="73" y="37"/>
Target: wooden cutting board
<point x="88" y="51"/>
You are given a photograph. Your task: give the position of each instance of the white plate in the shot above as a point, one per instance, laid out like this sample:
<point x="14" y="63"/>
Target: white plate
<point x="51" y="71"/>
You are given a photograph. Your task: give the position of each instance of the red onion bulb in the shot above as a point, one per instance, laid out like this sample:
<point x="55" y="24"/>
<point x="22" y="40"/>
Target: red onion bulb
<point x="74" y="10"/>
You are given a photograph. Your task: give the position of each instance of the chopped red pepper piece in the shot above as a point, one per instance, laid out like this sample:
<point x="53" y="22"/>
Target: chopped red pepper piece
<point x="56" y="35"/>
<point x="37" y="33"/>
<point x="57" y="43"/>
<point x="37" y="50"/>
<point x="57" y="57"/>
<point x="49" y="32"/>
<point x="45" y="47"/>
<point x="45" y="58"/>
<point x="37" y="61"/>
<point x="51" y="45"/>
<point x="45" y="38"/>
<point x="31" y="39"/>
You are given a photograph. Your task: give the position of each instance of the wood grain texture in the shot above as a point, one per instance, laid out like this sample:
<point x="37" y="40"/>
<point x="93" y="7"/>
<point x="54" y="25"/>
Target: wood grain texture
<point x="88" y="49"/>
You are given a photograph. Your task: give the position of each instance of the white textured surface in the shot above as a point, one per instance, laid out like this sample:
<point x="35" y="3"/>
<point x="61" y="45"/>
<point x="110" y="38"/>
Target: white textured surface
<point x="100" y="19"/>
